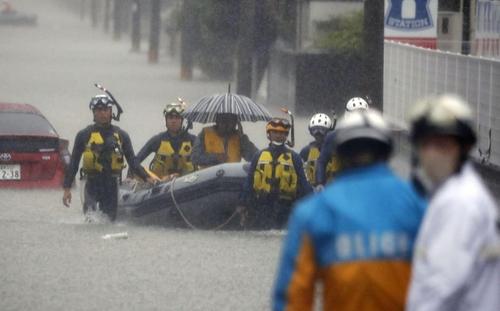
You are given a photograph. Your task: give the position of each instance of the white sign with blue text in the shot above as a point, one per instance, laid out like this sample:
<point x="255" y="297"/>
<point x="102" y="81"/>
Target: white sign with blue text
<point x="411" y="18"/>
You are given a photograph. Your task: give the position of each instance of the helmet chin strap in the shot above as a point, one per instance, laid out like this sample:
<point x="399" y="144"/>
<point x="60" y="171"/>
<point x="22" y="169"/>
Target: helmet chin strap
<point x="277" y="143"/>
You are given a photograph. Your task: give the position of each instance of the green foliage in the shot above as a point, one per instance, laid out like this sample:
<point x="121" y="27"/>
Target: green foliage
<point x="342" y="34"/>
<point x="218" y="34"/>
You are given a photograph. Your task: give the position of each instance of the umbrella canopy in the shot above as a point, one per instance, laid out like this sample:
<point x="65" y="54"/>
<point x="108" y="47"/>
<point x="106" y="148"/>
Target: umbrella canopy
<point x="205" y="110"/>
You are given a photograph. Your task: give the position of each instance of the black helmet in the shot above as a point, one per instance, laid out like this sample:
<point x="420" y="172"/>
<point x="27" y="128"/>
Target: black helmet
<point x="443" y="115"/>
<point x="101" y="101"/>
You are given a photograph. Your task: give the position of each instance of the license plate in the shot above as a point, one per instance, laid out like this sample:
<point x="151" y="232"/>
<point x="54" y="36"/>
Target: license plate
<point x="10" y="172"/>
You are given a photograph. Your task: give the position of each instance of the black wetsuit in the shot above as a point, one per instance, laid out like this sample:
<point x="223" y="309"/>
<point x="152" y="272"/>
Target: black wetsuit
<point x="154" y="143"/>
<point x="271" y="211"/>
<point x="102" y="189"/>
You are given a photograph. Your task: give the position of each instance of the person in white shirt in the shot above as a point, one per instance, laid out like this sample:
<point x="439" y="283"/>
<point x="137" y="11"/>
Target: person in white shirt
<point x="456" y="264"/>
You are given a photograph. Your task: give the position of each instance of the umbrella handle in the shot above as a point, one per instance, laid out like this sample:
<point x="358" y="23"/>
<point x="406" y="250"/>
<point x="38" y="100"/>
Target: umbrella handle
<point x="290" y="142"/>
<point x="240" y="128"/>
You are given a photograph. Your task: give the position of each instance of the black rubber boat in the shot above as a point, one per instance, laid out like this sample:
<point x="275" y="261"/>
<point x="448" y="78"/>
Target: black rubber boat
<point x="205" y="199"/>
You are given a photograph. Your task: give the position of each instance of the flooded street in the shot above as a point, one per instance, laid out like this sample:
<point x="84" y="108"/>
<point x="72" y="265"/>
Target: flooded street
<point x="49" y="258"/>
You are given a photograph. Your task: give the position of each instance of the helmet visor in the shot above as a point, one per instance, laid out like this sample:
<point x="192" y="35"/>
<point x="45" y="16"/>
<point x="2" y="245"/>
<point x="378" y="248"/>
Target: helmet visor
<point x="278" y="124"/>
<point x="318" y="130"/>
<point x="174" y="108"/>
<point x="101" y="102"/>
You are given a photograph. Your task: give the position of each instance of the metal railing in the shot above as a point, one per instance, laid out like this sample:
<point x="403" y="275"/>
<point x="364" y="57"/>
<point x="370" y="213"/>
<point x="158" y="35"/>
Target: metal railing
<point x="411" y="73"/>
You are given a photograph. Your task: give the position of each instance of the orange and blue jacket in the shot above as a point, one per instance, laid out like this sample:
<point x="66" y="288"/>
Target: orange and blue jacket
<point x="356" y="238"/>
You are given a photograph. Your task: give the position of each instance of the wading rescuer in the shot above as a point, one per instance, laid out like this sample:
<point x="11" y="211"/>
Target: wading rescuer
<point x="172" y="148"/>
<point x="275" y="180"/>
<point x="327" y="164"/>
<point x="222" y="143"/>
<point x="356" y="236"/>
<point x="103" y="148"/>
<point x="319" y="126"/>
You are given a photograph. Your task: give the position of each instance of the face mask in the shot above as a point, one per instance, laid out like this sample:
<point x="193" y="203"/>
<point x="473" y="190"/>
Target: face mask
<point x="437" y="164"/>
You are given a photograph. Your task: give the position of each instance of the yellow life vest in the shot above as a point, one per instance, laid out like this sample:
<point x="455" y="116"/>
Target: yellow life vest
<point x="277" y="176"/>
<point x="215" y="144"/>
<point x="92" y="152"/>
<point x="310" y="165"/>
<point x="167" y="161"/>
<point x="332" y="167"/>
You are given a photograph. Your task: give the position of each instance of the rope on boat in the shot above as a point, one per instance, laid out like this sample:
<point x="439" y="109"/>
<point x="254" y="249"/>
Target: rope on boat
<point x="236" y="211"/>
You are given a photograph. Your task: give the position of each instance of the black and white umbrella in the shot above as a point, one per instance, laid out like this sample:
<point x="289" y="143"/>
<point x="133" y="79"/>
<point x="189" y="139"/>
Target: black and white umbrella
<point x="205" y="110"/>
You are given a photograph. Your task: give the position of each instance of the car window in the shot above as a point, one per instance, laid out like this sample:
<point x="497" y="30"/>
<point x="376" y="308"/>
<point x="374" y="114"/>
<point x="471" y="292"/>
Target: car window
<point x="21" y="123"/>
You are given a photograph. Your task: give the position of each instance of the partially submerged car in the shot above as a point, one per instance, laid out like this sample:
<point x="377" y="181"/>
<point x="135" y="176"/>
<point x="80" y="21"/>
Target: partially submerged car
<point x="31" y="152"/>
<point x="9" y="16"/>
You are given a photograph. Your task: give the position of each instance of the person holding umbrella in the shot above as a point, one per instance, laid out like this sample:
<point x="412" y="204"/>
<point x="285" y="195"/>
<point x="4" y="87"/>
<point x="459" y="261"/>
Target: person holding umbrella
<point x="223" y="142"/>
<point x="276" y="179"/>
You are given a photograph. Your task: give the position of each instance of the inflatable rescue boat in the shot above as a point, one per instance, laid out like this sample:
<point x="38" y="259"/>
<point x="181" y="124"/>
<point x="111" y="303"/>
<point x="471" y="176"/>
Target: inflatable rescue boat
<point x="204" y="199"/>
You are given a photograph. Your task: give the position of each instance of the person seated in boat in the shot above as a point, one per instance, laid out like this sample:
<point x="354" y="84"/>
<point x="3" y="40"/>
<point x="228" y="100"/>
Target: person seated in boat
<point x="172" y="147"/>
<point x="319" y="126"/>
<point x="276" y="179"/>
<point x="223" y="142"/>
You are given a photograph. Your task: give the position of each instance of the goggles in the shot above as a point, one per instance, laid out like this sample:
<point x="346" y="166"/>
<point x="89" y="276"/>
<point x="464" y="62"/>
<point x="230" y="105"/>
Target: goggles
<point x="278" y="124"/>
<point x="176" y="108"/>
<point x="318" y="130"/>
<point x="101" y="101"/>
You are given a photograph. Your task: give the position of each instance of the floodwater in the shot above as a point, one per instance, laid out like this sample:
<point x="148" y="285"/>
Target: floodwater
<point x="49" y="258"/>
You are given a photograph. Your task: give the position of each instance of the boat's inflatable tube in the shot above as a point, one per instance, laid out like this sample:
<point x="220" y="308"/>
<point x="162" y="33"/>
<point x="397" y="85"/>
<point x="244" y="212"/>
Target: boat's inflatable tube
<point x="205" y="199"/>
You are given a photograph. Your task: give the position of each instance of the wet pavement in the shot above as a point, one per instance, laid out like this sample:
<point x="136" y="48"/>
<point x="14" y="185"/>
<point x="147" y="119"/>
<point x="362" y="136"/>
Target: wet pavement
<point x="49" y="258"/>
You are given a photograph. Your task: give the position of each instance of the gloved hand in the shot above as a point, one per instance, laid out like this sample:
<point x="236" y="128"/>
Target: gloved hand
<point x="319" y="188"/>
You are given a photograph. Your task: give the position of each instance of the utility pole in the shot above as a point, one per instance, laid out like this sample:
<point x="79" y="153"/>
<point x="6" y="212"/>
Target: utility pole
<point x="154" y="33"/>
<point x="82" y="9"/>
<point x="245" y="48"/>
<point x="188" y="39"/>
<point x="107" y="8"/>
<point x="373" y="55"/>
<point x="117" y="19"/>
<point x="93" y="12"/>
<point x="466" y="26"/>
<point x="136" y="25"/>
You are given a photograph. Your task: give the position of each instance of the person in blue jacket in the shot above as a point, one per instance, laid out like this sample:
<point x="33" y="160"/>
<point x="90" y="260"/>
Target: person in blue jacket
<point x="325" y="170"/>
<point x="356" y="236"/>
<point x="275" y="179"/>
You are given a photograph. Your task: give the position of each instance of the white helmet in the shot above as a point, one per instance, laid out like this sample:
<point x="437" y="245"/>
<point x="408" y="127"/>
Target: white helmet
<point x="446" y="115"/>
<point x="320" y="123"/>
<point x="356" y="103"/>
<point x="362" y="128"/>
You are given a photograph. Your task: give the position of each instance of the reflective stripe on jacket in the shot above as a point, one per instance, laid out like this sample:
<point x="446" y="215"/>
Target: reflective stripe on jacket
<point x="94" y="153"/>
<point x="356" y="238"/>
<point x="215" y="144"/>
<point x="167" y="161"/>
<point x="275" y="176"/>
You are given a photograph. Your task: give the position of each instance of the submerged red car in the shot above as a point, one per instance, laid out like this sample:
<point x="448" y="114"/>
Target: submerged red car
<point x="31" y="152"/>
